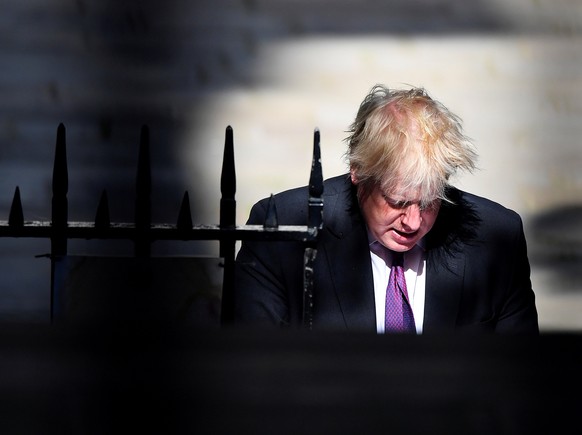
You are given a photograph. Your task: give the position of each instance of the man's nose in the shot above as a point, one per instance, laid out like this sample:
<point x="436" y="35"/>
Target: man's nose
<point x="411" y="217"/>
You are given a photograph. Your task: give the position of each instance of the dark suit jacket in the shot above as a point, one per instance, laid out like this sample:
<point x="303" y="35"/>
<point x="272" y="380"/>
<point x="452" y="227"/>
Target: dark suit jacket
<point x="477" y="278"/>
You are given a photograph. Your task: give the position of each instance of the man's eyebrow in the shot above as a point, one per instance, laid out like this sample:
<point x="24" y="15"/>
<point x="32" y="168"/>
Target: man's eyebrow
<point x="406" y="202"/>
<point x="399" y="201"/>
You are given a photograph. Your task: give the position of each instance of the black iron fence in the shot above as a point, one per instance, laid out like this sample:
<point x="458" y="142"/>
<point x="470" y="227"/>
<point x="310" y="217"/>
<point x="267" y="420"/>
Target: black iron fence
<point x="143" y="232"/>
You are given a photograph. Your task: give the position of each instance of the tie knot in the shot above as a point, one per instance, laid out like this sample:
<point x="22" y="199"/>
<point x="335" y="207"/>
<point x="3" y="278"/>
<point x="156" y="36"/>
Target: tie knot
<point x="397" y="259"/>
<point x="385" y="253"/>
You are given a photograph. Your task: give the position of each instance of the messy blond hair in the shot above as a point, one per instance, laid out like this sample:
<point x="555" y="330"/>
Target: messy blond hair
<point x="404" y="139"/>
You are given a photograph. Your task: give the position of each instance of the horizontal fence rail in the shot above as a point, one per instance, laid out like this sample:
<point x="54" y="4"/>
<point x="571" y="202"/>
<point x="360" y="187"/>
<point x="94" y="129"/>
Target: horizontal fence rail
<point x="128" y="231"/>
<point x="143" y="232"/>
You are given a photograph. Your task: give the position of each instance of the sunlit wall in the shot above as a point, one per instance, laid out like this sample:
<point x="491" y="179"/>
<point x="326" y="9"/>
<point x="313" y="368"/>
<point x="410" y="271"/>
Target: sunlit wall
<point x="517" y="88"/>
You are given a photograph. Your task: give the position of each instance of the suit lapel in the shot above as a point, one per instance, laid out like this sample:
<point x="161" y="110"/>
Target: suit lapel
<point x="454" y="229"/>
<point x="348" y="257"/>
<point x="444" y="283"/>
<point x="351" y="272"/>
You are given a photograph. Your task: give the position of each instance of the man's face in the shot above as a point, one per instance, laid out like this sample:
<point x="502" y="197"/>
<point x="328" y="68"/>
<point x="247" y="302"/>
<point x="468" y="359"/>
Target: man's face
<point x="398" y="222"/>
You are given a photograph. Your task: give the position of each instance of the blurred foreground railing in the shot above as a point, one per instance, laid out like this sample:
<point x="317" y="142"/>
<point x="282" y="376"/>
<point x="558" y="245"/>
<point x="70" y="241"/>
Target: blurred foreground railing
<point x="143" y="232"/>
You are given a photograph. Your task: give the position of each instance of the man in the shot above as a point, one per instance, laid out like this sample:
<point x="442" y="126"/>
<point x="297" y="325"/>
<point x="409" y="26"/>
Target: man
<point x="464" y="265"/>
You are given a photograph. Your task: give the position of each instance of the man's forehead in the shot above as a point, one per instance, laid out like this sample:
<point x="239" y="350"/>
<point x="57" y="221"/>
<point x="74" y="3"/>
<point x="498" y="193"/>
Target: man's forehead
<point x="400" y="192"/>
<point x="413" y="195"/>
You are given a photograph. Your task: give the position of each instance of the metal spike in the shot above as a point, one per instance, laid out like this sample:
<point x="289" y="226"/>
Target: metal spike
<point x="271" y="220"/>
<point x="16" y="217"/>
<point x="60" y="170"/>
<point x="315" y="214"/>
<point x="228" y="220"/>
<point x="185" y="216"/>
<point x="60" y="206"/>
<point x="102" y="219"/>
<point x="228" y="183"/>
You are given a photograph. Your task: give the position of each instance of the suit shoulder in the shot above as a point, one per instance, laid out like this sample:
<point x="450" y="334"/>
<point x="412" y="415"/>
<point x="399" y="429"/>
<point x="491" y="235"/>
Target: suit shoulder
<point x="292" y="204"/>
<point x="489" y="206"/>
<point x="331" y="186"/>
<point x="468" y="218"/>
<point x="491" y="214"/>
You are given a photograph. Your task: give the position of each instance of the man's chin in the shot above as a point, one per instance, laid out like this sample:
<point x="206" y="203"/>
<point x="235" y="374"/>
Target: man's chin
<point x="401" y="242"/>
<point x="398" y="246"/>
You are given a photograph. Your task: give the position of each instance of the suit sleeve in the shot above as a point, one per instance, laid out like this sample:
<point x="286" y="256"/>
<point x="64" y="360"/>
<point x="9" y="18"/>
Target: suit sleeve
<point x="518" y="313"/>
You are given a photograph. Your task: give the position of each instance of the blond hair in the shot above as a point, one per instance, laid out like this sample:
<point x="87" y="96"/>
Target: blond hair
<point x="405" y="140"/>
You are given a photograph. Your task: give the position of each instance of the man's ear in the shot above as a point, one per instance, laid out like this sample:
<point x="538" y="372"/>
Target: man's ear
<point x="353" y="176"/>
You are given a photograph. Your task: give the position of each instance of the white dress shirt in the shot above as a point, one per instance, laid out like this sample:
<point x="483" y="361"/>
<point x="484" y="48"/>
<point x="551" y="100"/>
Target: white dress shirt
<point x="415" y="275"/>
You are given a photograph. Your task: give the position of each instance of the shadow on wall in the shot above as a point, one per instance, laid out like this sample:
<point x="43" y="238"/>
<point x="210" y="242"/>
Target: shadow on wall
<point x="555" y="243"/>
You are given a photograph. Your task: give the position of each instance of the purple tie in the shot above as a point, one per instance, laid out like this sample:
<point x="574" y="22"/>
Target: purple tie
<point x="399" y="317"/>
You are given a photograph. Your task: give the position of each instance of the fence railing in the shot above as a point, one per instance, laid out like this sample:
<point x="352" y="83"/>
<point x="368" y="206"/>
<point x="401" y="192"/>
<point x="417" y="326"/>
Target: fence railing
<point x="143" y="232"/>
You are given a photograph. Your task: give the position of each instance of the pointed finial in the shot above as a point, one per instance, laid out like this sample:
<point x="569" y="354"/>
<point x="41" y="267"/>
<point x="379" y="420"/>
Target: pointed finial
<point x="271" y="219"/>
<point x="228" y="183"/>
<point x="16" y="218"/>
<point x="60" y="170"/>
<point x="315" y="214"/>
<point x="185" y="216"/>
<point x="102" y="219"/>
